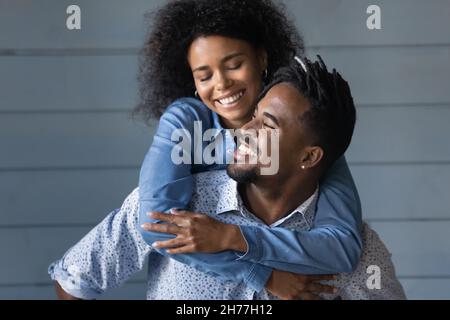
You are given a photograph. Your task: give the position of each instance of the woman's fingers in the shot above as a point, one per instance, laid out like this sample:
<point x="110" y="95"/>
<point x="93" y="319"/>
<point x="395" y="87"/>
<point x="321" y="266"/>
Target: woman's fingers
<point x="161" y="216"/>
<point x="162" y="228"/>
<point x="185" y="213"/>
<point x="183" y="249"/>
<point x="180" y="219"/>
<point x="172" y="243"/>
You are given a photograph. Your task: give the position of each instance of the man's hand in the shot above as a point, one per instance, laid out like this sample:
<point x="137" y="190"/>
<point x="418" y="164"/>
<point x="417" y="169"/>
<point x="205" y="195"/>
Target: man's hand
<point x="195" y="232"/>
<point x="291" y="286"/>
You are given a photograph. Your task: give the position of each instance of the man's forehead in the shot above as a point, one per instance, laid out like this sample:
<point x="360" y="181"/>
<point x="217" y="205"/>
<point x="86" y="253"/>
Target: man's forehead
<point x="285" y="99"/>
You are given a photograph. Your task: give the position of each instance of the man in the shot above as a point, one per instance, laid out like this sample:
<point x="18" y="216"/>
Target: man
<point x="312" y="112"/>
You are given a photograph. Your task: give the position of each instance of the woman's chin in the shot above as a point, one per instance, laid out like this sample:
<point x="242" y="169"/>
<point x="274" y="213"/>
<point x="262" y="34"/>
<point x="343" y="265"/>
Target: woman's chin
<point x="235" y="112"/>
<point x="228" y="107"/>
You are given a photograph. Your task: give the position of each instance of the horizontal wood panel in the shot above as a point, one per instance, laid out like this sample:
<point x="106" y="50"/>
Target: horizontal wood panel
<point x="343" y="23"/>
<point x="104" y="23"/>
<point x="403" y="191"/>
<point x="388" y="192"/>
<point x="80" y="139"/>
<point x="111" y="24"/>
<point x="27" y="252"/>
<point x="396" y="75"/>
<point x="61" y="83"/>
<point x="63" y="197"/>
<point x="401" y="134"/>
<point x="419" y="289"/>
<point x="418" y="248"/>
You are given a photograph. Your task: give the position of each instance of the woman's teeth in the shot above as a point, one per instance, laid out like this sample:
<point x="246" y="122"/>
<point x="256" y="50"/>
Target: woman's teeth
<point x="232" y="99"/>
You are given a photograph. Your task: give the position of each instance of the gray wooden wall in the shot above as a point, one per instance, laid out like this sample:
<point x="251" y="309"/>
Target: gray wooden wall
<point x="69" y="152"/>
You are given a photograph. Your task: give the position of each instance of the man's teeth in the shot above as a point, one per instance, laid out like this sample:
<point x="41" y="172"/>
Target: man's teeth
<point x="245" y="150"/>
<point x="232" y="99"/>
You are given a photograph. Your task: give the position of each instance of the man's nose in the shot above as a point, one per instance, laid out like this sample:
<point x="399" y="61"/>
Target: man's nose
<point x="249" y="137"/>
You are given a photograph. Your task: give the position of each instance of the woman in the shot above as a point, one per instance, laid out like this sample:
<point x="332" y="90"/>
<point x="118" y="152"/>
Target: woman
<point x="221" y="52"/>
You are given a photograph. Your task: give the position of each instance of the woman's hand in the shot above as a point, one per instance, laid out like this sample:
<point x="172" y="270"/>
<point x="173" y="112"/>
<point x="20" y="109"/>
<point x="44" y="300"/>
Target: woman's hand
<point x="290" y="286"/>
<point x="195" y="232"/>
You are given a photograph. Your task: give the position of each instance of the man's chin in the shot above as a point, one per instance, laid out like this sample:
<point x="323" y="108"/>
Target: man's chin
<point x="242" y="174"/>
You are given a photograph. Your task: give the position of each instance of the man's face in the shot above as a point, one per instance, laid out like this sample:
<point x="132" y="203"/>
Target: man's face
<point x="277" y="116"/>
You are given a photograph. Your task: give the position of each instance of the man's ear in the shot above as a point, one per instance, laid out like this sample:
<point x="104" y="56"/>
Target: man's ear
<point x="311" y="157"/>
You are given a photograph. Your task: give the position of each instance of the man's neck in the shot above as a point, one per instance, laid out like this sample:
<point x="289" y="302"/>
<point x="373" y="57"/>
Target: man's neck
<point x="271" y="200"/>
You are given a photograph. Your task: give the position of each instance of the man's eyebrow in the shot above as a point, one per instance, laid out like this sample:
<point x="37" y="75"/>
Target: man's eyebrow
<point x="272" y="117"/>
<point x="225" y="59"/>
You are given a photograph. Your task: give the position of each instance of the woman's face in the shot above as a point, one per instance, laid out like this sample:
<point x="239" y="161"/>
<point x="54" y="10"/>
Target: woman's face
<point x="228" y="76"/>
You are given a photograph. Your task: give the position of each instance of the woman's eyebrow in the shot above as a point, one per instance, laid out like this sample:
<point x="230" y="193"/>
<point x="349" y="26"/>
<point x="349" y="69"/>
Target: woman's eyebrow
<point x="231" y="56"/>
<point x="202" y="68"/>
<point x="224" y="59"/>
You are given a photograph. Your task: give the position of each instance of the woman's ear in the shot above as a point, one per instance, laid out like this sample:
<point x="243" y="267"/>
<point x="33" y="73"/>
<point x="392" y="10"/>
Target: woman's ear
<point x="311" y="157"/>
<point x="262" y="58"/>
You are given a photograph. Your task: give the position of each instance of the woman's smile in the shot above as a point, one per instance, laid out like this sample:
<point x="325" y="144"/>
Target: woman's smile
<point x="229" y="100"/>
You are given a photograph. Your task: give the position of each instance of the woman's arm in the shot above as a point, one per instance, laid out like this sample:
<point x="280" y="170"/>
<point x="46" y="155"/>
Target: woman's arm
<point x="332" y="246"/>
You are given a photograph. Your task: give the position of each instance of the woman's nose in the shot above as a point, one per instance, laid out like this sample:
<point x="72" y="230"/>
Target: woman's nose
<point x="223" y="82"/>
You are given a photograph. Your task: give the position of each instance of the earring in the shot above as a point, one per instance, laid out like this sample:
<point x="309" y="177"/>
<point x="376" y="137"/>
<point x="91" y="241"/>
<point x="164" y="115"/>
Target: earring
<point x="265" y="74"/>
<point x="303" y="167"/>
<point x="196" y="94"/>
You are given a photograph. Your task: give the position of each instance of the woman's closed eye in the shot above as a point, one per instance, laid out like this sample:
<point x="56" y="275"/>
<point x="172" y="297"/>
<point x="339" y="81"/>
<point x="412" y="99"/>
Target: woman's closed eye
<point x="205" y="78"/>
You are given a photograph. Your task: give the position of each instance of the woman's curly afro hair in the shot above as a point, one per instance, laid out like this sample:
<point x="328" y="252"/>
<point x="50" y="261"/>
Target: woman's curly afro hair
<point x="164" y="73"/>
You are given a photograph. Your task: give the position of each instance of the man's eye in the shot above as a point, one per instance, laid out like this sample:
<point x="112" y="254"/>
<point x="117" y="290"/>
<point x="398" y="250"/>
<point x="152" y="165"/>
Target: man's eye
<point x="234" y="67"/>
<point x="267" y="126"/>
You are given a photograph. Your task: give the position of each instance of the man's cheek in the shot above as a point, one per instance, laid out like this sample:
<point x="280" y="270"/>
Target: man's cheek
<point x="270" y="152"/>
